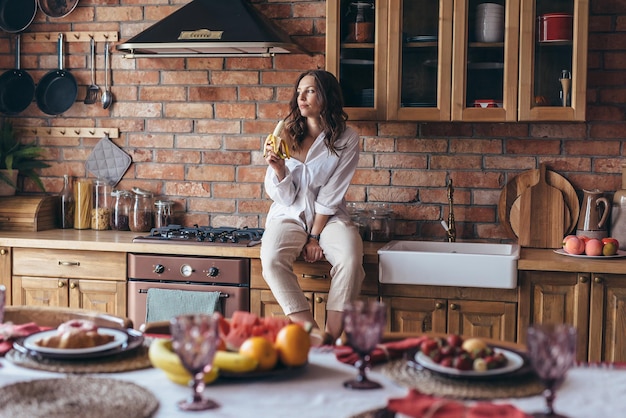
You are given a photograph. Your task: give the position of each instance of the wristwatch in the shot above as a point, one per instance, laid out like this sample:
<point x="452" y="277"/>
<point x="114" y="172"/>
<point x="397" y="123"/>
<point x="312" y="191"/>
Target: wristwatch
<point x="317" y="237"/>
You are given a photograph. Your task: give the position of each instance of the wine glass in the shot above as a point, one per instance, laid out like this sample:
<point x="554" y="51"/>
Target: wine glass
<point x="195" y="340"/>
<point x="552" y="350"/>
<point x="363" y="323"/>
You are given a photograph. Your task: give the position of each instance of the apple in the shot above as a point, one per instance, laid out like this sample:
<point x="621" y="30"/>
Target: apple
<point x="573" y="245"/>
<point x="611" y="245"/>
<point x="593" y="247"/>
<point x="454" y="340"/>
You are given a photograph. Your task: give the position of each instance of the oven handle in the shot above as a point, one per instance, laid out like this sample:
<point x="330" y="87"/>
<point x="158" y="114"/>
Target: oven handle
<point x="222" y="295"/>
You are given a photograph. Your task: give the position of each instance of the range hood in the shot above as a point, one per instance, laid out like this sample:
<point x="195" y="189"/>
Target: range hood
<point x="215" y="28"/>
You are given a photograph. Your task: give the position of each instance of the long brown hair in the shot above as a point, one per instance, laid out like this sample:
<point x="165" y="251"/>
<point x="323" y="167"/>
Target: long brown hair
<point x="333" y="117"/>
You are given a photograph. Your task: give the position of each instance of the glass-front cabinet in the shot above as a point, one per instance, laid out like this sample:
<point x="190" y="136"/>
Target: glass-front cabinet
<point x="462" y="60"/>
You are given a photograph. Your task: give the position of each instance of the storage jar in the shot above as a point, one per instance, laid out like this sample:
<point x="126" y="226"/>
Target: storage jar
<point x="66" y="204"/>
<point x="101" y="210"/>
<point x="83" y="190"/>
<point x="120" y="210"/>
<point x="380" y="225"/>
<point x="163" y="213"/>
<point x="141" y="212"/>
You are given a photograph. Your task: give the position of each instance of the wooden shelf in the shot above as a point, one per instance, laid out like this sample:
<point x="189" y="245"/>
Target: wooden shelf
<point x="69" y="36"/>
<point x="73" y="132"/>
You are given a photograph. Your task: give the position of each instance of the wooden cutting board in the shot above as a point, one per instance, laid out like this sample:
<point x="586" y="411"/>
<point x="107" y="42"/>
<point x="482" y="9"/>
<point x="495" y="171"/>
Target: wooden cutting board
<point x="541" y="217"/>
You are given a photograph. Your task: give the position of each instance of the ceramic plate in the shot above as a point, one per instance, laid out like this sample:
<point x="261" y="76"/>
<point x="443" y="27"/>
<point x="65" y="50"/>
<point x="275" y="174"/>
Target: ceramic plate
<point x="620" y="254"/>
<point x="134" y="340"/>
<point x="30" y="342"/>
<point x="514" y="363"/>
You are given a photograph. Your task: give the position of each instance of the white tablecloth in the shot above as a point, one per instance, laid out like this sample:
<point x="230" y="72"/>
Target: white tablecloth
<point x="318" y="392"/>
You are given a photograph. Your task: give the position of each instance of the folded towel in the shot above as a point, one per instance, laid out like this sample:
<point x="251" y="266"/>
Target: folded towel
<point x="419" y="405"/>
<point x="9" y="332"/>
<point x="382" y="353"/>
<point x="164" y="304"/>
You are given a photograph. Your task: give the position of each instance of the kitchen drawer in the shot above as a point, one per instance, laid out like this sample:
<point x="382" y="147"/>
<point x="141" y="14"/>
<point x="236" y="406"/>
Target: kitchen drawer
<point x="69" y="264"/>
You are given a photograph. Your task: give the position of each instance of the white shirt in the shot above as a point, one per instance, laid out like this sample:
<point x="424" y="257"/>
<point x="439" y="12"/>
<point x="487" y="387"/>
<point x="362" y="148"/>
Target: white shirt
<point x="317" y="185"/>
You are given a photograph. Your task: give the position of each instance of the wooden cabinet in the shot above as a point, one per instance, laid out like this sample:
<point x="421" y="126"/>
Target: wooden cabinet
<point x="426" y="61"/>
<point x="489" y="313"/>
<point x="80" y="279"/>
<point x="314" y="279"/>
<point x="592" y="302"/>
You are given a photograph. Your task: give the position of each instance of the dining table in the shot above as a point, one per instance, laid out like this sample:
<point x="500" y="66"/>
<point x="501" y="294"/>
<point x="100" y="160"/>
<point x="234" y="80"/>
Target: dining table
<point x="316" y="390"/>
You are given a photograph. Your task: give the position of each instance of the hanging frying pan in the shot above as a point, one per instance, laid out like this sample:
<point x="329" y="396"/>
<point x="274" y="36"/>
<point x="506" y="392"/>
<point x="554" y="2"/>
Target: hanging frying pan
<point x="57" y="8"/>
<point x="57" y="90"/>
<point x="17" y="88"/>
<point x="17" y="15"/>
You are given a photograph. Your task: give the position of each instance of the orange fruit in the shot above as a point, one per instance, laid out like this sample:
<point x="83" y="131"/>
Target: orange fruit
<point x="293" y="344"/>
<point x="262" y="350"/>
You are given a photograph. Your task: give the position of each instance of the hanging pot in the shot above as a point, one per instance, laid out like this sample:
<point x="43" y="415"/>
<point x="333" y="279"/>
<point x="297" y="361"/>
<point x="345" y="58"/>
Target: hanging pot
<point x="17" y="88"/>
<point x="57" y="90"/>
<point x="57" y="8"/>
<point x="17" y="15"/>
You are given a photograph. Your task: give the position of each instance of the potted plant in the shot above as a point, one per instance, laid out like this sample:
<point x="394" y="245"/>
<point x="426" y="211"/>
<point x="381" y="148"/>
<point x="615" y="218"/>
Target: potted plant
<point x="17" y="157"/>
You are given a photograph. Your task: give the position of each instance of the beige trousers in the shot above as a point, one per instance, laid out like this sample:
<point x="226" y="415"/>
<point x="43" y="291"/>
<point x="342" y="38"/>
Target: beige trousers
<point x="282" y="243"/>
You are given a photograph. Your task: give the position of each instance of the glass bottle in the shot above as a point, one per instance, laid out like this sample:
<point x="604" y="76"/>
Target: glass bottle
<point x="101" y="211"/>
<point x="163" y="213"/>
<point x="120" y="210"/>
<point x="67" y="204"/>
<point x="82" y="198"/>
<point x="141" y="211"/>
<point x="360" y="22"/>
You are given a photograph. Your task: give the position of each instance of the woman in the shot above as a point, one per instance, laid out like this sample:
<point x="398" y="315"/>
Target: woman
<point x="308" y="216"/>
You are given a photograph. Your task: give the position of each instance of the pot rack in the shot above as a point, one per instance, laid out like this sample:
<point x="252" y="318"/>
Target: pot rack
<point x="69" y="36"/>
<point x="69" y="132"/>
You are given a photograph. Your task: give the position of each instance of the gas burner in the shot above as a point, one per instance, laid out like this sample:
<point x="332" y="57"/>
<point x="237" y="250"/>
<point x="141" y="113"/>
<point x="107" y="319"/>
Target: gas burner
<point x="204" y="235"/>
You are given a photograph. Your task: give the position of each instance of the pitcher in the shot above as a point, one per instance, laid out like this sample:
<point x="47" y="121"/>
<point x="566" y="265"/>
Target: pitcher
<point x="594" y="212"/>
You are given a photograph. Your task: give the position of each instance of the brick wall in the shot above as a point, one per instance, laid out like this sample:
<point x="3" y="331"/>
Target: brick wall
<point x="194" y="127"/>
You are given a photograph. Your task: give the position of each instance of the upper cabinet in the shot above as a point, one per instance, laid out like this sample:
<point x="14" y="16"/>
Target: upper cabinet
<point x="467" y="60"/>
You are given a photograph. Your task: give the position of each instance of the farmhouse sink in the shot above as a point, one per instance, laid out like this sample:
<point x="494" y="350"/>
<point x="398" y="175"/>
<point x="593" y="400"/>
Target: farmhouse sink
<point x="463" y="264"/>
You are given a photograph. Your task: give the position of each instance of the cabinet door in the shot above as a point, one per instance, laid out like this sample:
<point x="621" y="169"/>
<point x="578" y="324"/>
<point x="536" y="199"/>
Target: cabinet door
<point x="5" y="272"/>
<point x="485" y="60"/>
<point x="415" y="315"/>
<point x="555" y="297"/>
<point x="419" y="59"/>
<point x="487" y="319"/>
<point x="551" y="51"/>
<point x="263" y="303"/>
<point x="360" y="63"/>
<point x="98" y="295"/>
<point x="607" y="339"/>
<point x="40" y="291"/>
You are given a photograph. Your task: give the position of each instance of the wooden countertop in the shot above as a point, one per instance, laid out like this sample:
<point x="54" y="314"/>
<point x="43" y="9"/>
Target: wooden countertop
<point x="72" y="239"/>
<point x="91" y="240"/>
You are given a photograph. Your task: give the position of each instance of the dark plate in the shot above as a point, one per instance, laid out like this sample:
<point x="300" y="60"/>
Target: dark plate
<point x="135" y="339"/>
<point x="280" y="372"/>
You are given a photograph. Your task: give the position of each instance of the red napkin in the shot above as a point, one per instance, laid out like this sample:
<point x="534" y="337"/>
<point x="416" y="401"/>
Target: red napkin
<point x="382" y="353"/>
<point x="8" y="332"/>
<point x="419" y="405"/>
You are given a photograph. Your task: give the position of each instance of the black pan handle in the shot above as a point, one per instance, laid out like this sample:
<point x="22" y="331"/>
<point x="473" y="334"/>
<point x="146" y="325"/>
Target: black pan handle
<point x="60" y="48"/>
<point x="18" y="49"/>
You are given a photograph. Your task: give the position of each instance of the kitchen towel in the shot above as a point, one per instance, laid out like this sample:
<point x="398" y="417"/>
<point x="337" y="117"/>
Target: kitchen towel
<point x="9" y="332"/>
<point x="164" y="304"/>
<point x="383" y="352"/>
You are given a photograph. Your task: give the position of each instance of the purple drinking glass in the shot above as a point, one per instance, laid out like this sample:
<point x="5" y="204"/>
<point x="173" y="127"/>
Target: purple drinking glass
<point x="195" y="339"/>
<point x="363" y="323"/>
<point x="552" y="351"/>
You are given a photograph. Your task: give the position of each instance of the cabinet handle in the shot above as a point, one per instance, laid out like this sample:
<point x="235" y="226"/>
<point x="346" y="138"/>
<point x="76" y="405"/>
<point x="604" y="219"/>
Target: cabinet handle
<point x="319" y="299"/>
<point x="61" y="284"/>
<point x="3" y="251"/>
<point x="598" y="279"/>
<point x="314" y="276"/>
<point x="454" y="306"/>
<point x="438" y="305"/>
<point x="69" y="263"/>
<point x="583" y="279"/>
<point x="73" y="285"/>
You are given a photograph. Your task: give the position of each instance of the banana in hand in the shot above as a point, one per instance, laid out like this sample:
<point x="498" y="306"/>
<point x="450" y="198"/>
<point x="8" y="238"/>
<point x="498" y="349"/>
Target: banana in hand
<point x="277" y="143"/>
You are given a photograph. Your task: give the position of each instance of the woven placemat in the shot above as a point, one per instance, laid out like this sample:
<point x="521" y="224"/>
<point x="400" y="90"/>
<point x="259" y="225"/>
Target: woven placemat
<point x="517" y="385"/>
<point x="76" y="396"/>
<point x="132" y="360"/>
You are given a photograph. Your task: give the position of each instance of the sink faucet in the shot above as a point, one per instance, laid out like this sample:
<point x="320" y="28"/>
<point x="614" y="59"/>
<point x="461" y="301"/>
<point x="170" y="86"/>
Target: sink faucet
<point x="451" y="230"/>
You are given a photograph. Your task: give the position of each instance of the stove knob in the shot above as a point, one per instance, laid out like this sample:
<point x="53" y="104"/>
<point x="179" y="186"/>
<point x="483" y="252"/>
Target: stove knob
<point x="159" y="268"/>
<point x="186" y="270"/>
<point x="213" y="272"/>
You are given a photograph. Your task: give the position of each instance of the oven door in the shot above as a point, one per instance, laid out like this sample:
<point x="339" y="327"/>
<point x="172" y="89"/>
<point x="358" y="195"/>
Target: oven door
<point x="233" y="298"/>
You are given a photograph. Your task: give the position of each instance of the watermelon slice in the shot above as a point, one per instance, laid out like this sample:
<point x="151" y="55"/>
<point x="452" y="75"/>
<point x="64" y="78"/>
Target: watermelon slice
<point x="244" y="325"/>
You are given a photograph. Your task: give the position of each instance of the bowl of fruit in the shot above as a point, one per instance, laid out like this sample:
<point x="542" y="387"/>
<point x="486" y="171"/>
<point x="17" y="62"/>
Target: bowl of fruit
<point x="470" y="358"/>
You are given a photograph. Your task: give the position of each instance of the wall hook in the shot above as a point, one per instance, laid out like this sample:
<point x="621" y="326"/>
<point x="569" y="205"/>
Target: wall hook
<point x="106" y="36"/>
<point x="76" y="36"/>
<point x="48" y="131"/>
<point x="77" y="131"/>
<point x="62" y="132"/>
<point x="92" y="132"/>
<point x="47" y="36"/>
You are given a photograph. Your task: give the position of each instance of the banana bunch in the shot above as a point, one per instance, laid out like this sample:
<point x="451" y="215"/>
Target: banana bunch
<point x="277" y="143"/>
<point x="163" y="357"/>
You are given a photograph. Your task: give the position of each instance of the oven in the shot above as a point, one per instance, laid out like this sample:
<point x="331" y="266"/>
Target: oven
<point x="228" y="276"/>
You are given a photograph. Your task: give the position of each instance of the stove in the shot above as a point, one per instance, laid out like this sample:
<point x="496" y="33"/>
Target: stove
<point x="204" y="235"/>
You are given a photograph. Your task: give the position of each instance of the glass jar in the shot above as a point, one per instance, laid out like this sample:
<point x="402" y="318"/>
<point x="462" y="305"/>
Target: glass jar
<point x="120" y="210"/>
<point x="83" y="190"/>
<point x="141" y="211"/>
<point x="101" y="209"/>
<point x="163" y="213"/>
<point x="381" y="224"/>
<point x="66" y="204"/>
<point x="360" y="21"/>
